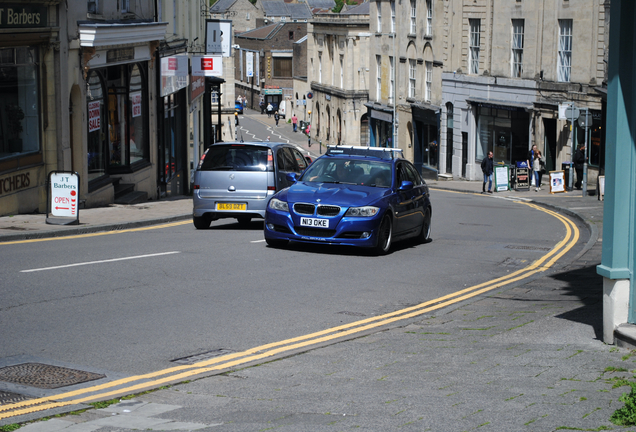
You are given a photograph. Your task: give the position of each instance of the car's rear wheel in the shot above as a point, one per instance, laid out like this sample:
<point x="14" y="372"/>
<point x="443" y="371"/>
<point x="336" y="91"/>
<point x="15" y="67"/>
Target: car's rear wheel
<point x="201" y="222"/>
<point x="425" y="234"/>
<point x="385" y="233"/>
<point x="244" y="220"/>
<point x="276" y="243"/>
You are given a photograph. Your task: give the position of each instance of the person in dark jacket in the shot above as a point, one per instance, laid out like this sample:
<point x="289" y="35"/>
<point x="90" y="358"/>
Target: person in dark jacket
<point x="487" y="169"/>
<point x="579" y="161"/>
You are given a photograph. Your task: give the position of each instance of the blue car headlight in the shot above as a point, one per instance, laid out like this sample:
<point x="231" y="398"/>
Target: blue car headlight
<point x="366" y="211"/>
<point x="276" y="204"/>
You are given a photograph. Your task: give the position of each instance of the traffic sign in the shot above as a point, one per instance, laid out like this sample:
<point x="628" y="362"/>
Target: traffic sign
<point x="572" y="112"/>
<point x="310" y="95"/>
<point x="585" y="119"/>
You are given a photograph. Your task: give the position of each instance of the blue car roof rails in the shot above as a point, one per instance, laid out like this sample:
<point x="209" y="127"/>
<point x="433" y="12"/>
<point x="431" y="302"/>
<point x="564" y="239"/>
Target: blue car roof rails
<point x="378" y="152"/>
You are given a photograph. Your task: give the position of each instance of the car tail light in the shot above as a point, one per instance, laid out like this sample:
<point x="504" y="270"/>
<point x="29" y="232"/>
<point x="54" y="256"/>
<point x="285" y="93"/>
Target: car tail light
<point x="270" y="160"/>
<point x="197" y="187"/>
<point x="271" y="188"/>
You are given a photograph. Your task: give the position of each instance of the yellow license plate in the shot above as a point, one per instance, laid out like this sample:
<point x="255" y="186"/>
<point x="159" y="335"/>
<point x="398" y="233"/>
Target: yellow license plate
<point x="231" y="206"/>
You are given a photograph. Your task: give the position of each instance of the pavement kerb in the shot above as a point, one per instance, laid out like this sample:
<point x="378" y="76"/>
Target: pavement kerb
<point x="94" y="228"/>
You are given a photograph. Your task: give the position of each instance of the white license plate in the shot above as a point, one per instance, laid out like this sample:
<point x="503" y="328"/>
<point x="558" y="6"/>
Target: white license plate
<point x="313" y="222"/>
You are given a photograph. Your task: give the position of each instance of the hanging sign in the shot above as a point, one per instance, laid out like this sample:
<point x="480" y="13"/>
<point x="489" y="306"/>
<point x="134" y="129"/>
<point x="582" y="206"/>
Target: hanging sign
<point x="207" y="66"/>
<point x="94" y="116"/>
<point x="63" y="192"/>
<point x="249" y="63"/>
<point x="218" y="37"/>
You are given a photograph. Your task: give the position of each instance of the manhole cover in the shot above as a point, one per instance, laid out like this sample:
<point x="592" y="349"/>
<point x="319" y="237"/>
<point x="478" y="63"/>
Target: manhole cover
<point x="202" y="356"/>
<point x="45" y="376"/>
<point x="9" y="398"/>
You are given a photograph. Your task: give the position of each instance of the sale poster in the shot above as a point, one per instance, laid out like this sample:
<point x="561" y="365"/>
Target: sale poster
<point x="94" y="116"/>
<point x="135" y="99"/>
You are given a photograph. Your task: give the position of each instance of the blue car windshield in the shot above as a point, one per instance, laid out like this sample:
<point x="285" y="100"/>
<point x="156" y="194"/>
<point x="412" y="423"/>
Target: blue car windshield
<point x="349" y="171"/>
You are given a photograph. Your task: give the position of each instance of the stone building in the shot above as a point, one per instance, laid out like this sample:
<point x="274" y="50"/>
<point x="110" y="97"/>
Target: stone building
<point x="243" y="13"/>
<point x="406" y="51"/>
<point x="510" y="69"/>
<point x="268" y="53"/>
<point x="338" y="46"/>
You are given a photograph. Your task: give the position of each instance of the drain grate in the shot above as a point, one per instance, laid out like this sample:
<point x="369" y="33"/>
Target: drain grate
<point x="547" y="249"/>
<point x="45" y="376"/>
<point x="356" y="314"/>
<point x="201" y="357"/>
<point x="9" y="398"/>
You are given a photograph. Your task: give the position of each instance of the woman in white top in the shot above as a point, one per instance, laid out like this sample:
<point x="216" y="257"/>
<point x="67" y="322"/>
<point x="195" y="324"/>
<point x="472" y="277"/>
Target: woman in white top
<point x="537" y="166"/>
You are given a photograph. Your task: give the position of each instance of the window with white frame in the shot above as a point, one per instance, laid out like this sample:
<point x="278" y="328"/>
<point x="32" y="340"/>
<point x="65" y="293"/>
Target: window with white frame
<point x="412" y="82"/>
<point x="413" y="27"/>
<point x="378" y="87"/>
<point x="429" y="17"/>
<point x="341" y="71"/>
<point x="517" y="47"/>
<point x="565" y="50"/>
<point x="391" y="80"/>
<point x="392" y="16"/>
<point x="474" y="41"/>
<point x="429" y="81"/>
<point x="379" y="3"/>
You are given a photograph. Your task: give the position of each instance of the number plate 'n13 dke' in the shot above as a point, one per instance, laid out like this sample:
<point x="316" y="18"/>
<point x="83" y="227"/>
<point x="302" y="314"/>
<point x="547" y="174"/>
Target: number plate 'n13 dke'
<point x="313" y="222"/>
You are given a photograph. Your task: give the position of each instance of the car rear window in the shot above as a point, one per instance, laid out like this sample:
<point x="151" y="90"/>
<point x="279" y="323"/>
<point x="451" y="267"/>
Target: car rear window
<point x="236" y="157"/>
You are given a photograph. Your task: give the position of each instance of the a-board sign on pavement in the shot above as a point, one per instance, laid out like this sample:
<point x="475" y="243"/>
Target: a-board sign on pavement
<point x="64" y="194"/>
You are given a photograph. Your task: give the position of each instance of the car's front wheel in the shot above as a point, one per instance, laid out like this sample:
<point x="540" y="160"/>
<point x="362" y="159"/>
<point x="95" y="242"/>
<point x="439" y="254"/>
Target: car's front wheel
<point x="201" y="222"/>
<point x="276" y="243"/>
<point x="425" y="234"/>
<point x="385" y="233"/>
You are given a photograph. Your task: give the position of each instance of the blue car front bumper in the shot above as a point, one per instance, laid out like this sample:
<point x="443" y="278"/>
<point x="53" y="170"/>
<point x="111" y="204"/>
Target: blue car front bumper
<point x="350" y="231"/>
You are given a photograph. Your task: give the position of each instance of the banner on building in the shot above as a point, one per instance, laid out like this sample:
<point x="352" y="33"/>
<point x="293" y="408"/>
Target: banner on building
<point x="207" y="66"/>
<point x="249" y="64"/>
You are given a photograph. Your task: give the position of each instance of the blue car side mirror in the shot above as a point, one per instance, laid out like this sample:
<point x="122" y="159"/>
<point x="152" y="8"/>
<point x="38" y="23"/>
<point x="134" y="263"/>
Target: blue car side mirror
<point x="292" y="177"/>
<point x="406" y="185"/>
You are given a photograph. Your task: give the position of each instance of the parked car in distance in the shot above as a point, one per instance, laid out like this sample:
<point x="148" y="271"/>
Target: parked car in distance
<point x="237" y="179"/>
<point x="357" y="196"/>
<point x="282" y="109"/>
<point x="238" y="107"/>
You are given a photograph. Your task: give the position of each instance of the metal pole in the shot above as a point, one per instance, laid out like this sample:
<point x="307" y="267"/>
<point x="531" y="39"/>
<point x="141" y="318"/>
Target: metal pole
<point x="571" y="150"/>
<point x="395" y="78"/>
<point x="584" y="186"/>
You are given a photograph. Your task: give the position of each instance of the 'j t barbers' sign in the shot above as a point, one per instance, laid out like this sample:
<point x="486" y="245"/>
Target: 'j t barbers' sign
<point x="23" y="16"/>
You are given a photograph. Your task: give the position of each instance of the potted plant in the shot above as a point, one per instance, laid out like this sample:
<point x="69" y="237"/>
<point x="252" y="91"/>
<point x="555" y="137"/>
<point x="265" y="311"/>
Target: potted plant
<point x="15" y="115"/>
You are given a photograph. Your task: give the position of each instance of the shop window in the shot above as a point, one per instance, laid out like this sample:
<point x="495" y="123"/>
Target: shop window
<point x="283" y="67"/>
<point x="19" y="102"/>
<point x="117" y="119"/>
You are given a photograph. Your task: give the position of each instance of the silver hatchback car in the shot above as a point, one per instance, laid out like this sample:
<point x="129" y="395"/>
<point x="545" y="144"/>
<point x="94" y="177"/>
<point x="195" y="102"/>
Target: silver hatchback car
<point x="237" y="179"/>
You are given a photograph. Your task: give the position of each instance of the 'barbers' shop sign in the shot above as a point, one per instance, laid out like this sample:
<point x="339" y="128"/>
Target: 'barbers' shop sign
<point x="23" y="16"/>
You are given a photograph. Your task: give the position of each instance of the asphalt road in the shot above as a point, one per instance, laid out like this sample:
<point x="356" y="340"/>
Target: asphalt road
<point x="189" y="291"/>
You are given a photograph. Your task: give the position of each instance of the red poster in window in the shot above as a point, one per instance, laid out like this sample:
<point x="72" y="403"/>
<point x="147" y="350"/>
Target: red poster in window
<point x="135" y="98"/>
<point x="94" y="116"/>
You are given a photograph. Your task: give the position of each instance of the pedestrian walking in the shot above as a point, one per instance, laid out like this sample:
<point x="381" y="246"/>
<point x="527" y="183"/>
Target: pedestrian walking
<point x="537" y="166"/>
<point x="294" y="120"/>
<point x="270" y="110"/>
<point x="579" y="161"/>
<point x="261" y="104"/>
<point x="487" y="169"/>
<point x="276" y="117"/>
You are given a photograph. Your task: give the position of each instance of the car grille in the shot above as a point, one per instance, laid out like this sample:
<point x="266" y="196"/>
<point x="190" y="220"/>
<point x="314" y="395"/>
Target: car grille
<point x="351" y="235"/>
<point x="314" y="232"/>
<point x="307" y="209"/>
<point x="327" y="210"/>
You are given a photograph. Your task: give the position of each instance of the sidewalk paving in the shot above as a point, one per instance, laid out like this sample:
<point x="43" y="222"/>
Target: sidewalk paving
<point x="528" y="358"/>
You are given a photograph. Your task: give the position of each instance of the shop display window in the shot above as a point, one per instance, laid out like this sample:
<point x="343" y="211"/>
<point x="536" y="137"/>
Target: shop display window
<point x="117" y="119"/>
<point x="19" y="102"/>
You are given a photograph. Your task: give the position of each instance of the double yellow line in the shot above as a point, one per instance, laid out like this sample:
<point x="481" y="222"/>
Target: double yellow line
<point x="139" y="383"/>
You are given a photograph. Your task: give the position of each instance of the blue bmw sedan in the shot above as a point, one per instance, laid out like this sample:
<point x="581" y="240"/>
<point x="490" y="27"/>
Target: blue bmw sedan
<point x="356" y="196"/>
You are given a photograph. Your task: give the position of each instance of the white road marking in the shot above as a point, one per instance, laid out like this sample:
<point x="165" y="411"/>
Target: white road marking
<point x="99" y="262"/>
<point x="258" y="241"/>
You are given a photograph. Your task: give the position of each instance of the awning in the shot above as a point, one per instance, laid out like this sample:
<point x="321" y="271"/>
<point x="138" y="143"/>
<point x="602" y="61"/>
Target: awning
<point x="107" y="34"/>
<point x="499" y="104"/>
